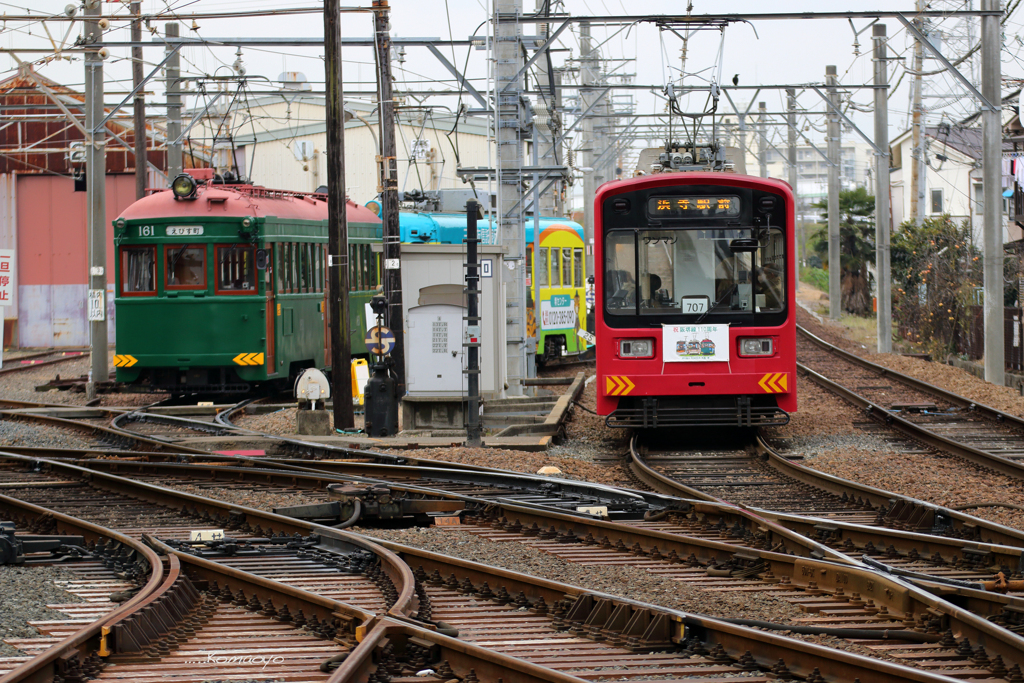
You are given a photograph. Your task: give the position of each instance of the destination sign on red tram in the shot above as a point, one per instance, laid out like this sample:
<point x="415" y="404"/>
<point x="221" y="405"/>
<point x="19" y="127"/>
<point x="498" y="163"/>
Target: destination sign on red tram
<point x="693" y="207"/>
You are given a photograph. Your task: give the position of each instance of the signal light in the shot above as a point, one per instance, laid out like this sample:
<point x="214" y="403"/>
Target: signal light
<point x="184" y="186"/>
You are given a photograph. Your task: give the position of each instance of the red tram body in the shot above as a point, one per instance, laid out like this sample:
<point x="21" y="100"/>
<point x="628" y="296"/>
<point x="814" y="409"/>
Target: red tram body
<point x="695" y="304"/>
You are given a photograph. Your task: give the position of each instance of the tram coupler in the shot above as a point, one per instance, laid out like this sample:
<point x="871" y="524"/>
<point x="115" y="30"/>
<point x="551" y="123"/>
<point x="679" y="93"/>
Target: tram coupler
<point x="349" y="503"/>
<point x="14" y="549"/>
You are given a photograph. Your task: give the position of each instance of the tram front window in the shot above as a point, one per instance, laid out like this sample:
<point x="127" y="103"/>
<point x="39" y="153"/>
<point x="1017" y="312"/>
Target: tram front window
<point x="680" y="272"/>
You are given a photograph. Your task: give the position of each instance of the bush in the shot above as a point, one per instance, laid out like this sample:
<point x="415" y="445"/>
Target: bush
<point x="815" y="277"/>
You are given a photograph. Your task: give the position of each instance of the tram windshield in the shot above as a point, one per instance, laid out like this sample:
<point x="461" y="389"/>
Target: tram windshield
<point x="693" y="272"/>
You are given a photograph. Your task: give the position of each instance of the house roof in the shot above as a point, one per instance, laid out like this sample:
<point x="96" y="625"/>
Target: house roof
<point x="965" y="140"/>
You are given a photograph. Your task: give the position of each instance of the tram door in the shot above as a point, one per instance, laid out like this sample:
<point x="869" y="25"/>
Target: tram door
<point x="271" y="288"/>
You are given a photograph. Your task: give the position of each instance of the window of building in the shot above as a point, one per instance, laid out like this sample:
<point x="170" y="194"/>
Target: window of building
<point x="979" y="198"/>
<point x="138" y="271"/>
<point x="185" y="266"/>
<point x="937" y="200"/>
<point x="236" y="269"/>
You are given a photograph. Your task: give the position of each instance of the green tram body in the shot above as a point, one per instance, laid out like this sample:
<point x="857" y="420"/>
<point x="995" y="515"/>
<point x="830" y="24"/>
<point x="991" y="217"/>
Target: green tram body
<point x="194" y="313"/>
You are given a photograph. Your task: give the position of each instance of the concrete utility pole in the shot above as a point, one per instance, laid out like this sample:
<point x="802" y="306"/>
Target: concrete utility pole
<point x="882" y="227"/>
<point x="96" y="213"/>
<point x="337" y="222"/>
<point x="835" y="303"/>
<point x="917" y="137"/>
<point x="991" y="149"/>
<point x="175" y="160"/>
<point x="141" y="156"/>
<point x="588" y="77"/>
<point x="389" y="192"/>
<point x="762" y="139"/>
<point x="509" y="106"/>
<point x="793" y="177"/>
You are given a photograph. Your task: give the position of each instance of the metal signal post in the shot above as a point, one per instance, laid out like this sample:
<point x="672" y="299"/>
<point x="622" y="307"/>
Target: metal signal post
<point x="337" y="222"/>
<point x="473" y="427"/>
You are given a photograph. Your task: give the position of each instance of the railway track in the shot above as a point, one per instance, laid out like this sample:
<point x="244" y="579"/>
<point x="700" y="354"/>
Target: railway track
<point x="556" y="632"/>
<point x="834" y="595"/>
<point x="928" y="415"/>
<point x="41" y="358"/>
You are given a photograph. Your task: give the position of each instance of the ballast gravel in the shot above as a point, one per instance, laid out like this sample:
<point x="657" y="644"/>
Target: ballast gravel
<point x="18" y="433"/>
<point x="24" y="594"/>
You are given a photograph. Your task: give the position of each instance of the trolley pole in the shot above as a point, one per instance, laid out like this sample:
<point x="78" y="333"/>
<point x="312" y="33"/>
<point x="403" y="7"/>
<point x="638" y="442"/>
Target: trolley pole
<point x="793" y="180"/>
<point x="389" y="191"/>
<point x="141" y="157"/>
<point x="175" y="160"/>
<point x="337" y="222"/>
<point x="835" y="303"/>
<point x="991" y="149"/>
<point x="473" y="427"/>
<point x="95" y="178"/>
<point x="882" y="227"/>
<point x="762" y="140"/>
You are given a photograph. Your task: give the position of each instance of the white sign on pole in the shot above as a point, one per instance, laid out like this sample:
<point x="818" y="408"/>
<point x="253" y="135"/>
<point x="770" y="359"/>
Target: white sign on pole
<point x="6" y="277"/>
<point x="695" y="343"/>
<point x="97" y="307"/>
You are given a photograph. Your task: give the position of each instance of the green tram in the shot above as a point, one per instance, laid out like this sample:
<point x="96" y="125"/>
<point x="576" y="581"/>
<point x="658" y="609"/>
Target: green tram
<point x="222" y="287"/>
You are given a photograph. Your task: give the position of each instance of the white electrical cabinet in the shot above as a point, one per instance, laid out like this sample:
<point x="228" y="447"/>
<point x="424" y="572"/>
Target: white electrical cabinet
<point x="435" y="352"/>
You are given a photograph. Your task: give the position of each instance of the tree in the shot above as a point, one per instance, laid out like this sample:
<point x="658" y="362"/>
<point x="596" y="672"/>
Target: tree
<point x="856" y="246"/>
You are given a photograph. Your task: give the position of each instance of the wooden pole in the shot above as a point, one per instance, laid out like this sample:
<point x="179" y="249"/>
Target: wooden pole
<point x="337" y="222"/>
<point x="389" y="191"/>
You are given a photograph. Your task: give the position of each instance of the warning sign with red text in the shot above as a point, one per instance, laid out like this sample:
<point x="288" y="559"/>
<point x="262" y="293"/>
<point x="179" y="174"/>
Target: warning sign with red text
<point x="6" y="277"/>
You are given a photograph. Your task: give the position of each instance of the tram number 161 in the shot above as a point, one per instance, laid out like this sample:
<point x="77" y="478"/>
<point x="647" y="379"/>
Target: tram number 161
<point x="145" y="231"/>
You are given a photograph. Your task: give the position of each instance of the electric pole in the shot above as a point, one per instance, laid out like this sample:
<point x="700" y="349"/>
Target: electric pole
<point x="917" y="137"/>
<point x="835" y="307"/>
<point x="793" y="179"/>
<point x="509" y="124"/>
<point x="389" y="191"/>
<point x="175" y="161"/>
<point x="337" y="222"/>
<point x="141" y="156"/>
<point x="95" y="179"/>
<point x="588" y="78"/>
<point x="991" y="148"/>
<point x="882" y="227"/>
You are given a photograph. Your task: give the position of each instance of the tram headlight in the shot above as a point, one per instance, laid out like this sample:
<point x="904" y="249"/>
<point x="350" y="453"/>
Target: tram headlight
<point x="757" y="346"/>
<point x="184" y="186"/>
<point x="636" y="348"/>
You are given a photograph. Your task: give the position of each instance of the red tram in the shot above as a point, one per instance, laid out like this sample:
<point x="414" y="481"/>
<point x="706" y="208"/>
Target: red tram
<point x="695" y="306"/>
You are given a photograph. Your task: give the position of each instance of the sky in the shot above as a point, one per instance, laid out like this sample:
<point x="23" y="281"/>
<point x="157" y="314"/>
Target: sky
<point x="766" y="53"/>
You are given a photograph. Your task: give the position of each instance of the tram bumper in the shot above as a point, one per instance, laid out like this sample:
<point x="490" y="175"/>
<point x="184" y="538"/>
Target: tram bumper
<point x="653" y="412"/>
<point x="695" y="399"/>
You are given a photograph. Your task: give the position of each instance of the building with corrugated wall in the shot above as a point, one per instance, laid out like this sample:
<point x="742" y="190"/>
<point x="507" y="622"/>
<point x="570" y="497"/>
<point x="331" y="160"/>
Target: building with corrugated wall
<point x="281" y="142"/>
<point x="42" y="216"/>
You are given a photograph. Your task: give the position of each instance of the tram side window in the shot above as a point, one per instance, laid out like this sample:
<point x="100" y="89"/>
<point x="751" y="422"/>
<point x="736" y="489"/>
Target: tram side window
<point x="567" y="267"/>
<point x="318" y="273"/>
<point x="366" y="265"/>
<point x="353" y="267"/>
<point x="236" y="270"/>
<point x="542" y="267"/>
<point x="138" y="270"/>
<point x="185" y="266"/>
<point x="577" y="267"/>
<point x="619" y="266"/>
